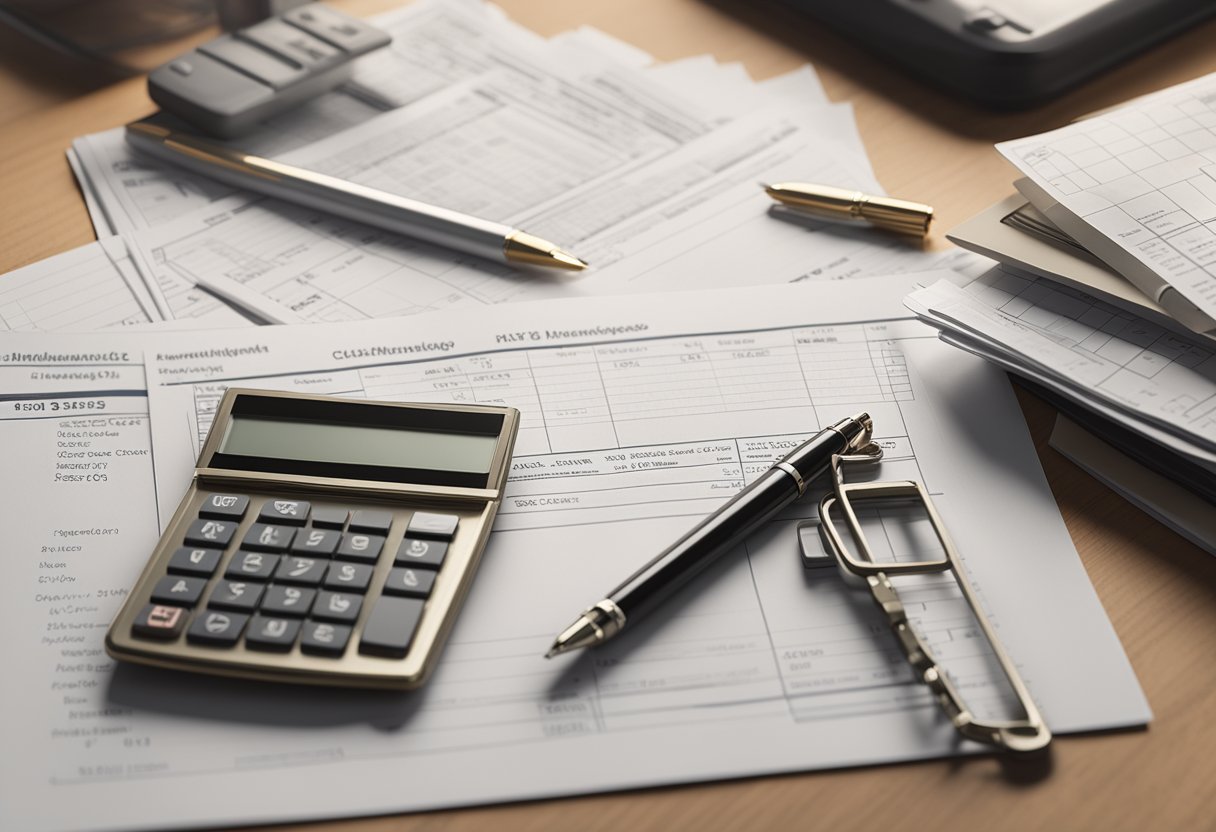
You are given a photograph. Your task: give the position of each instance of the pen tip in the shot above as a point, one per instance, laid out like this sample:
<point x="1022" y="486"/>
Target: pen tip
<point x="568" y="261"/>
<point x="532" y="250"/>
<point x="553" y="651"/>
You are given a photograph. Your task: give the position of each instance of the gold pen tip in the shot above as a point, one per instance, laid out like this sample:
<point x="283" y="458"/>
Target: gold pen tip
<point x="568" y="261"/>
<point x="529" y="249"/>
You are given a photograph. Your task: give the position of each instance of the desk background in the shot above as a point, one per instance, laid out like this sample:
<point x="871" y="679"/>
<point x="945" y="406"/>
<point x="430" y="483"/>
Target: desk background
<point x="1159" y="590"/>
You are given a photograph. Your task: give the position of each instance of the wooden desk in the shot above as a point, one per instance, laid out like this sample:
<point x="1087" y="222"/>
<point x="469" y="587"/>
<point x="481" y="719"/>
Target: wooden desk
<point x="1159" y="590"/>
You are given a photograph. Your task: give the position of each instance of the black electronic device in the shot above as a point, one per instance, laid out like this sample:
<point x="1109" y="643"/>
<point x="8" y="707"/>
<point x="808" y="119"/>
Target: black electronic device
<point x="1007" y="54"/>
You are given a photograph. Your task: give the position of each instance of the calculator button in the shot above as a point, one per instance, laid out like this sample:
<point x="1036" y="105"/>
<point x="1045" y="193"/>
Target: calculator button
<point x="289" y="512"/>
<point x="252" y="61"/>
<point x="424" y="553"/>
<point x="321" y="542"/>
<point x="159" y="621"/>
<point x="216" y="533"/>
<point x="413" y="583"/>
<point x="332" y="27"/>
<point x="426" y="524"/>
<point x="224" y="506"/>
<point x="288" y="600"/>
<point x="268" y="538"/>
<point x="257" y="566"/>
<point x="337" y="606"/>
<point x="329" y="518"/>
<point x="293" y="45"/>
<point x="242" y="596"/>
<point x="364" y="548"/>
<point x="266" y="633"/>
<point x="188" y="561"/>
<point x="293" y="570"/>
<point x="219" y="629"/>
<point x="390" y="628"/>
<point x="324" y="639"/>
<point x="377" y="522"/>
<point x="178" y="590"/>
<point x="352" y="577"/>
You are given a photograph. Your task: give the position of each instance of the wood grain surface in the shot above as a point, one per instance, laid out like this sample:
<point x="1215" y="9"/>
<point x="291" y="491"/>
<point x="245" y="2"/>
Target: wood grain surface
<point x="1159" y="590"/>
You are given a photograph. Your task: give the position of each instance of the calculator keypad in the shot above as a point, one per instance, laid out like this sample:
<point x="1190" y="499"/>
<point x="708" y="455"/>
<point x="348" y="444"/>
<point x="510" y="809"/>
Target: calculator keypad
<point x="297" y="576"/>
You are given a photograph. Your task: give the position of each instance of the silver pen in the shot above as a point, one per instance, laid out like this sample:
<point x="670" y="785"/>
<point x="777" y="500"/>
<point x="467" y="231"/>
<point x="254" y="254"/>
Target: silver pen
<point x="408" y="217"/>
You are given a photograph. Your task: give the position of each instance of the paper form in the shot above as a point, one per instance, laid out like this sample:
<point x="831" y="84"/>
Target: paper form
<point x="638" y="418"/>
<point x="92" y="287"/>
<point x="1133" y="188"/>
<point x="97" y="214"/>
<point x="1098" y="351"/>
<point x="655" y="210"/>
<point x="435" y="45"/>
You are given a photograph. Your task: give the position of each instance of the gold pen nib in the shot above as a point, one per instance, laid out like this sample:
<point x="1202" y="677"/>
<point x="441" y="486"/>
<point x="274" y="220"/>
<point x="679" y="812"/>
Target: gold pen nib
<point x="568" y="261"/>
<point x="521" y="247"/>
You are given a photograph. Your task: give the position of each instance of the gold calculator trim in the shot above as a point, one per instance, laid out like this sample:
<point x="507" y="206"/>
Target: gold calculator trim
<point x="476" y="508"/>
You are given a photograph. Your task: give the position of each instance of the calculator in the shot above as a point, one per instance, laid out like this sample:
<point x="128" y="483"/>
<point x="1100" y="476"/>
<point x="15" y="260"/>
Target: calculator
<point x="322" y="540"/>
<point x="230" y="85"/>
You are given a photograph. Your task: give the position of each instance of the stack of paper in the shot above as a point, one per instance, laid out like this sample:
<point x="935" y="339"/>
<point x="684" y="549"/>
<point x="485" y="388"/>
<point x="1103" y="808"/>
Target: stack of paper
<point x="1107" y="290"/>
<point x="1122" y="202"/>
<point x="650" y="172"/>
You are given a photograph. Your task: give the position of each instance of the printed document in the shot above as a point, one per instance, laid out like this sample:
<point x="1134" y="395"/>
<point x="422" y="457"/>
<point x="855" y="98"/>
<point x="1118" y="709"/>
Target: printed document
<point x="649" y="172"/>
<point x="1157" y="381"/>
<point x="96" y="286"/>
<point x="638" y="419"/>
<point x="665" y="205"/>
<point x="1135" y="186"/>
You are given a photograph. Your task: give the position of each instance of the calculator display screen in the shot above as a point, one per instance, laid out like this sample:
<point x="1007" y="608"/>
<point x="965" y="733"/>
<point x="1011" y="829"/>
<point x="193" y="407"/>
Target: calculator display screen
<point x="354" y="440"/>
<point x="393" y="447"/>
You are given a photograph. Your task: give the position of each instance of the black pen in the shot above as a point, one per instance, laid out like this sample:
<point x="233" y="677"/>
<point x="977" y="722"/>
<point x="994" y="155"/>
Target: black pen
<point x="721" y="531"/>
